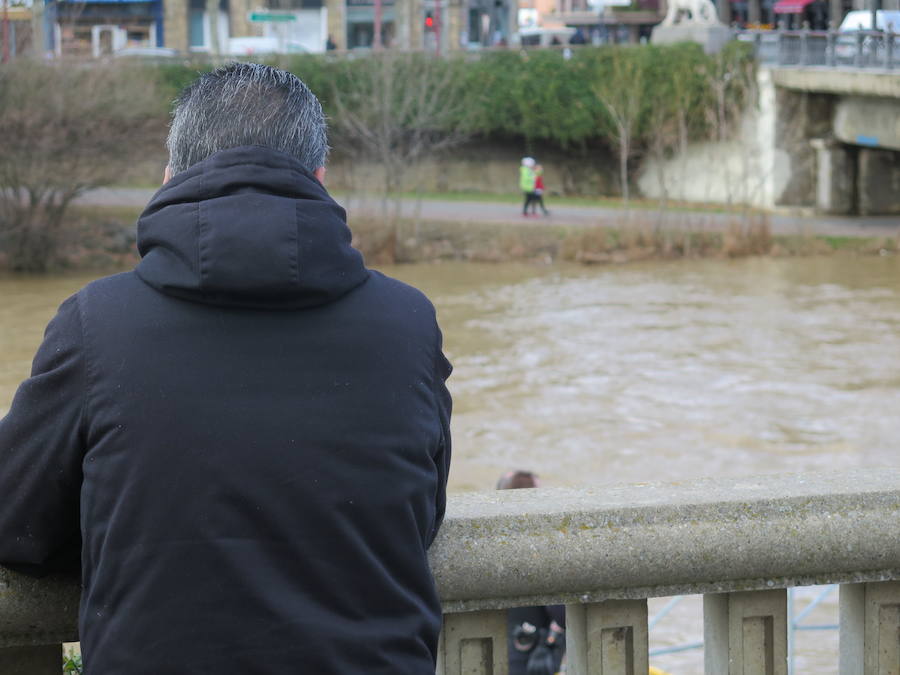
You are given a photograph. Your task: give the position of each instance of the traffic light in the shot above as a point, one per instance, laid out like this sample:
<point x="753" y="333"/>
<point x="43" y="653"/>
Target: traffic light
<point x="429" y="21"/>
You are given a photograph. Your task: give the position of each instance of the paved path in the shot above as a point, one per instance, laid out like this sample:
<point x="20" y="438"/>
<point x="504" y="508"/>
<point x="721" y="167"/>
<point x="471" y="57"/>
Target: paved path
<point x="507" y="213"/>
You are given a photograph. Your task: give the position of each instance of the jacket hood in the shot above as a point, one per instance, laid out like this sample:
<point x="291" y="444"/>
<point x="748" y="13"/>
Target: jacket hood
<point x="247" y="227"/>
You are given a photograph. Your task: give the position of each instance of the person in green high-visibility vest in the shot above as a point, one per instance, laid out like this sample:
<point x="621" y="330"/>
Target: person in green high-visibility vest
<point x="527" y="177"/>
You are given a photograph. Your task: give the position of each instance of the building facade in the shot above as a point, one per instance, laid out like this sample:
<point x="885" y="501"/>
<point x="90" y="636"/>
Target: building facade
<point x="245" y="27"/>
<point x="432" y="25"/>
<point x="95" y="28"/>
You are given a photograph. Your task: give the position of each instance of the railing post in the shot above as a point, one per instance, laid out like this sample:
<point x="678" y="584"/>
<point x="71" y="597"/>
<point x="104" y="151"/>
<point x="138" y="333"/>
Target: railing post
<point x="870" y="628"/>
<point x="858" y="57"/>
<point x="804" y="45"/>
<point x="473" y="643"/>
<point x="830" y="47"/>
<point x="43" y="660"/>
<point x="607" y="638"/>
<point x="745" y="633"/>
<point x="889" y="49"/>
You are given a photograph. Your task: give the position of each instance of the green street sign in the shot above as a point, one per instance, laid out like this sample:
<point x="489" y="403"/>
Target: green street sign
<point x="260" y="17"/>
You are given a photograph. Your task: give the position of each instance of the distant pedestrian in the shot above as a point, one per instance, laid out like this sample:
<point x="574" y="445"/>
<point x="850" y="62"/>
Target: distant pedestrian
<point x="536" y="641"/>
<point x="538" y="198"/>
<point x="527" y="179"/>
<point x="815" y="15"/>
<point x="330" y="44"/>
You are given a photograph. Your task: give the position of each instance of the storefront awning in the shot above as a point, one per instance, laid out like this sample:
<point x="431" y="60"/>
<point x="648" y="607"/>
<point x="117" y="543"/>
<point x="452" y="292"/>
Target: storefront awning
<point x="104" y="2"/>
<point x="790" y="6"/>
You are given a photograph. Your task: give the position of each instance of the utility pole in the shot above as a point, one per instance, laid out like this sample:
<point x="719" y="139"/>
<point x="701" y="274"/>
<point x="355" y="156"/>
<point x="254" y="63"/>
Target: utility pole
<point x="376" y="39"/>
<point x="836" y="14"/>
<point x="437" y="26"/>
<point x="5" y="31"/>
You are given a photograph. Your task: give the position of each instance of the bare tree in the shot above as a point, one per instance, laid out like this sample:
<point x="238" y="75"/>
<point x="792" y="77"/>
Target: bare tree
<point x="620" y="93"/>
<point x="397" y="109"/>
<point x="65" y="129"/>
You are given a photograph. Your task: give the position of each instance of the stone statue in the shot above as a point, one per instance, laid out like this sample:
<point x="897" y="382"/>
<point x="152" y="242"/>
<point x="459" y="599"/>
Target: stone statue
<point x="692" y="21"/>
<point x="690" y="11"/>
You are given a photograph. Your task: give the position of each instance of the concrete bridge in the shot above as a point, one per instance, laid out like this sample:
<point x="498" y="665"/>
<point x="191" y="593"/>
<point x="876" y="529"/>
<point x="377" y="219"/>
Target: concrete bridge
<point x="824" y="132"/>
<point x="846" y="142"/>
<point x="602" y="552"/>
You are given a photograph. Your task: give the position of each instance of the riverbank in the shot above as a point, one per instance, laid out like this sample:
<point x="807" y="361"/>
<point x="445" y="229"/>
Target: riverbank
<point x="100" y="233"/>
<point x="637" y="239"/>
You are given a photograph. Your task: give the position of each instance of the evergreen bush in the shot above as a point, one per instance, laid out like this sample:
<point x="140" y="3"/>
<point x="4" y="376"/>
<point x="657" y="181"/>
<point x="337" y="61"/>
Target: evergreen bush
<point x="539" y="95"/>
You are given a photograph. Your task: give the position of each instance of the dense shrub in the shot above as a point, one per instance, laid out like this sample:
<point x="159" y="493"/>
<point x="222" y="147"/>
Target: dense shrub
<point x="538" y="95"/>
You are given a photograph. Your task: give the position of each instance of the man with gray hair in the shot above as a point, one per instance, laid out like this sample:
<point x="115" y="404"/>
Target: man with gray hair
<point x="242" y="444"/>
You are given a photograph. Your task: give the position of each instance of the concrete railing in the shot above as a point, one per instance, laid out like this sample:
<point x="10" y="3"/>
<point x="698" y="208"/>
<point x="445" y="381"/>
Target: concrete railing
<point x="604" y="551"/>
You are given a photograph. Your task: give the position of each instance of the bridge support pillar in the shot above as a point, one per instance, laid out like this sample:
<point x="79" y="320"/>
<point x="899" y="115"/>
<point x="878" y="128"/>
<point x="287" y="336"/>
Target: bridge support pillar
<point x="745" y="633"/>
<point x="870" y="628"/>
<point x="607" y="638"/>
<point x="879" y="176"/>
<point x="43" y="660"/>
<point x="835" y="176"/>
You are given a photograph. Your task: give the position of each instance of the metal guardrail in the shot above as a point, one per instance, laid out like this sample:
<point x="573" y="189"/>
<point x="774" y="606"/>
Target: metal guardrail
<point x="829" y="49"/>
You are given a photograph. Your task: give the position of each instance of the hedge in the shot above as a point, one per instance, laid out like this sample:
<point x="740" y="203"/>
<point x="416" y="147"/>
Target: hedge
<point x="539" y="95"/>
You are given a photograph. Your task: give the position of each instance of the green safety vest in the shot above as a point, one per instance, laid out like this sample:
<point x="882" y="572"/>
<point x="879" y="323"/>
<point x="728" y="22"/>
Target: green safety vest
<point x="526" y="179"/>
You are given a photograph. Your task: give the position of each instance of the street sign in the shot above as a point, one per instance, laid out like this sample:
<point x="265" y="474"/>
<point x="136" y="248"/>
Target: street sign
<point x="262" y="17"/>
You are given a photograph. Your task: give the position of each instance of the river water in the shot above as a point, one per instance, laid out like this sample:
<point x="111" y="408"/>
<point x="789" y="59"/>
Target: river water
<point x="656" y="371"/>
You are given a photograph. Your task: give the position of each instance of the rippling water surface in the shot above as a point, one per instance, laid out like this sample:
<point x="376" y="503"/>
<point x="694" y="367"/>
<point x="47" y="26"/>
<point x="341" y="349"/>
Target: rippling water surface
<point x="670" y="371"/>
<point x="661" y="371"/>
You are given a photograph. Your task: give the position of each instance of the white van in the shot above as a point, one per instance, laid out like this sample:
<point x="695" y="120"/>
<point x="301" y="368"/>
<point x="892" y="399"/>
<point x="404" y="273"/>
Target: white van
<point x="873" y="52"/>
<point x="861" y="19"/>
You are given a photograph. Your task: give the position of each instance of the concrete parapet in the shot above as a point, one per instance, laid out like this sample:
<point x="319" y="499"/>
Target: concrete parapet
<point x="603" y="551"/>
<point x="746" y="632"/>
<point x="474" y="643"/>
<point x="37" y="611"/>
<point x="844" y="82"/>
<point x="870" y="624"/>
<point x="43" y="660"/>
<point x="530" y="547"/>
<point x="607" y="638"/>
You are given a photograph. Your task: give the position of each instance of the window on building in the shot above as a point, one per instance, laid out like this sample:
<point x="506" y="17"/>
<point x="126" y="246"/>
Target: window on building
<point x="197" y="24"/>
<point x="360" y="19"/>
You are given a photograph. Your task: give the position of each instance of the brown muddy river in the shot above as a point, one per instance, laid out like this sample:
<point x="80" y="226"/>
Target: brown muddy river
<point x="657" y="371"/>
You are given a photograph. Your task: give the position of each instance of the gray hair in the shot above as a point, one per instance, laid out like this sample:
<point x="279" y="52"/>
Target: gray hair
<point x="247" y="104"/>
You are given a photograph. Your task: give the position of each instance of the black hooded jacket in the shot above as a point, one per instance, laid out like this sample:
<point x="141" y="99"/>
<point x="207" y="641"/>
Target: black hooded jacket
<point x="253" y="429"/>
